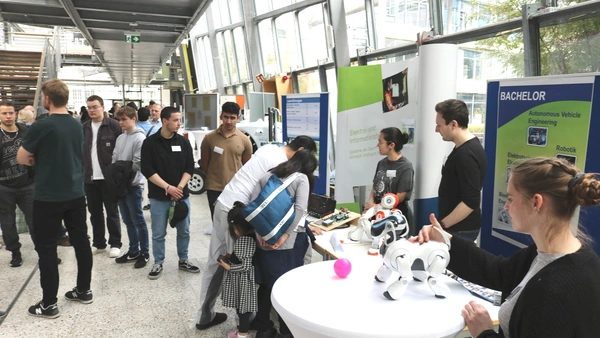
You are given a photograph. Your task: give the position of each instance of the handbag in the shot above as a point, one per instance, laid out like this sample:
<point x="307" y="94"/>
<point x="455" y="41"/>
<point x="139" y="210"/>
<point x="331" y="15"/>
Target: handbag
<point x="272" y="212"/>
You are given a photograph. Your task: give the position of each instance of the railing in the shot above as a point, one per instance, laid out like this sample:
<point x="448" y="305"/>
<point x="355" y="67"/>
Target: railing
<point x="49" y="66"/>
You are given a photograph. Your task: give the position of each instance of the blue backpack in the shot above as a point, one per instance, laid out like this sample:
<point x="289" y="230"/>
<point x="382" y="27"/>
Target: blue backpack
<point x="272" y="212"/>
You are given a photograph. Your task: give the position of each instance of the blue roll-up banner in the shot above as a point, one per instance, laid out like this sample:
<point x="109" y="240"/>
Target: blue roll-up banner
<point x="308" y="114"/>
<point x="543" y="116"/>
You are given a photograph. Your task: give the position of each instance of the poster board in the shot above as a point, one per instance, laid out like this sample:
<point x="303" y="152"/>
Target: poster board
<point x="542" y="116"/>
<point x="308" y="114"/>
<point x="201" y="110"/>
<point x="258" y="103"/>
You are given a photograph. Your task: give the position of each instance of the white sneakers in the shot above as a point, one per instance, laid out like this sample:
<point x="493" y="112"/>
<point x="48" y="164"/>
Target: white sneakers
<point x="114" y="252"/>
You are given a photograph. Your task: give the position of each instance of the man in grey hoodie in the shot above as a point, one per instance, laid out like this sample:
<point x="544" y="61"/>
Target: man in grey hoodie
<point x="129" y="148"/>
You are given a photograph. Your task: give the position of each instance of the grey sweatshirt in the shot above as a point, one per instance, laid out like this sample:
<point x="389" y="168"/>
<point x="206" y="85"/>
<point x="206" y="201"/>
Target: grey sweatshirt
<point x="129" y="148"/>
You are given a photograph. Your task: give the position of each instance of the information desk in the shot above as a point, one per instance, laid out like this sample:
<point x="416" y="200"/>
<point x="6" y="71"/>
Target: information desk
<point x="314" y="302"/>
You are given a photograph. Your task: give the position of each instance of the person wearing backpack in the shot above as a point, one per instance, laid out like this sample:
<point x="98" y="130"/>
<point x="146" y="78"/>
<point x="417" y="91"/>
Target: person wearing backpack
<point x="238" y="189"/>
<point x="272" y="261"/>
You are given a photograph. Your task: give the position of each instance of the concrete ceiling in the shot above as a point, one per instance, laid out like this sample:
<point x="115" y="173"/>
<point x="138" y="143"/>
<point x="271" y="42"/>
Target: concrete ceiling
<point x="162" y="25"/>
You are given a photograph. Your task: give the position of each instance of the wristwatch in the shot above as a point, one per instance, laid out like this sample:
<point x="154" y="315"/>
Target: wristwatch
<point x="180" y="187"/>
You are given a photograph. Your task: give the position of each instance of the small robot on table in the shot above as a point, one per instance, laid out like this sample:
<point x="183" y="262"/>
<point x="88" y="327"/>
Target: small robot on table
<point x="387" y="228"/>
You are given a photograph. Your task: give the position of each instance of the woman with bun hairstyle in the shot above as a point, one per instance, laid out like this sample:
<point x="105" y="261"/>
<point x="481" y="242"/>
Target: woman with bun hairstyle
<point x="390" y="143"/>
<point x="551" y="288"/>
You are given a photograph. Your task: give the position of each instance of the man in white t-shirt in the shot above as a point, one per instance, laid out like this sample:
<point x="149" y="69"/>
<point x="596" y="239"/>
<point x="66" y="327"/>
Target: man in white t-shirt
<point x="238" y="189"/>
<point x="100" y="135"/>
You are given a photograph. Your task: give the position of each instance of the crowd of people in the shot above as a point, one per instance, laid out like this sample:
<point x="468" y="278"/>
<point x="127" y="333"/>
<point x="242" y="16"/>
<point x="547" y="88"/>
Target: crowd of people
<point x="104" y="162"/>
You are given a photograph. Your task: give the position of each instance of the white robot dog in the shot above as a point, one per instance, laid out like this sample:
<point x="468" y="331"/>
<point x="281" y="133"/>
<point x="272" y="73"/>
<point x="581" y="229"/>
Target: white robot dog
<point x="425" y="261"/>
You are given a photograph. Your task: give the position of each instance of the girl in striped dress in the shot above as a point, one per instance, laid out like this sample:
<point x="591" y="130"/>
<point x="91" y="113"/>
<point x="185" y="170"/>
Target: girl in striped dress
<point x="239" y="285"/>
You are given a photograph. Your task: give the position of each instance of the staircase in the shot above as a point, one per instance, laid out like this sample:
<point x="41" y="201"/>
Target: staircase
<point x="19" y="72"/>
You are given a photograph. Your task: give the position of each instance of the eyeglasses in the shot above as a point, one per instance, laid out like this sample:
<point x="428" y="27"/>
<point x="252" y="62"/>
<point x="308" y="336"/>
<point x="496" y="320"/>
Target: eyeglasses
<point x="93" y="107"/>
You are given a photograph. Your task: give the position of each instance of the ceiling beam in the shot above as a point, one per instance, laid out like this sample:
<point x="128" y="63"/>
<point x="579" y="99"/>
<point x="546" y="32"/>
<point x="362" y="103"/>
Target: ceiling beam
<point x="33" y="10"/>
<point x="135" y="9"/>
<point x="38" y="20"/>
<point x="97" y="25"/>
<point x="44" y="3"/>
<point x="74" y="15"/>
<point x="127" y="17"/>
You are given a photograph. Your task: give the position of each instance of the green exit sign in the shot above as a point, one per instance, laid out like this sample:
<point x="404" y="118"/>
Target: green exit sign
<point x="133" y="38"/>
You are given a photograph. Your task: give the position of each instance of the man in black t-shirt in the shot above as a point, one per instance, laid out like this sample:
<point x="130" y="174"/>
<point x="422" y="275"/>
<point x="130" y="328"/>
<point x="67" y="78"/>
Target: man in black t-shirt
<point x="16" y="181"/>
<point x="462" y="174"/>
<point x="54" y="146"/>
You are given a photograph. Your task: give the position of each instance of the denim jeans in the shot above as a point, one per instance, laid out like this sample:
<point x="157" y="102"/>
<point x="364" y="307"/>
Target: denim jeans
<point x="133" y="217"/>
<point x="159" y="213"/>
<point x="469" y="235"/>
<point x="47" y="218"/>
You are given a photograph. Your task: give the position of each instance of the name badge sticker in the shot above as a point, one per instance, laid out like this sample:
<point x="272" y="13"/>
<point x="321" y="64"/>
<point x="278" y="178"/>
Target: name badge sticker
<point x="218" y="150"/>
<point x="175" y="148"/>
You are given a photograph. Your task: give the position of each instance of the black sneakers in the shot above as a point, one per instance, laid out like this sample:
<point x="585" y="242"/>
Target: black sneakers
<point x="141" y="261"/>
<point x="189" y="267"/>
<point x="219" y="318"/>
<point x="127" y="258"/>
<point x="40" y="310"/>
<point x="16" y="260"/>
<point x="156" y="271"/>
<point x="85" y="297"/>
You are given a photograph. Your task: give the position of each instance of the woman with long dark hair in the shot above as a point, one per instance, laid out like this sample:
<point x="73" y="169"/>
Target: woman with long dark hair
<point x="84" y="114"/>
<point x="273" y="261"/>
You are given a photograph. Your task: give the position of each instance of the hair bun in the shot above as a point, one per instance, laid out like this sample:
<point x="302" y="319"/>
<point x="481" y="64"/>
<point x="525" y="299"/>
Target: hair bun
<point x="587" y="190"/>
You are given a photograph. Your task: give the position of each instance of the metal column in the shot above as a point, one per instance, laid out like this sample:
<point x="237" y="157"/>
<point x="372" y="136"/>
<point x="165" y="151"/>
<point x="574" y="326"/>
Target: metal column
<point x="337" y="18"/>
<point x="531" y="40"/>
<point x="214" y="50"/>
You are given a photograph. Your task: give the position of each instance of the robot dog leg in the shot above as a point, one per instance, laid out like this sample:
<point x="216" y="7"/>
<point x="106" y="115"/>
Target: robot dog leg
<point x="436" y="268"/>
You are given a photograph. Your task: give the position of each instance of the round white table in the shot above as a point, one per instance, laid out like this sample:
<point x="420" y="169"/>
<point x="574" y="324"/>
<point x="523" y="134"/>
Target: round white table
<point x="315" y="302"/>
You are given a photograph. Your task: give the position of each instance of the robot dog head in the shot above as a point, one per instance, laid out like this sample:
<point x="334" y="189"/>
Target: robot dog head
<point x="389" y="200"/>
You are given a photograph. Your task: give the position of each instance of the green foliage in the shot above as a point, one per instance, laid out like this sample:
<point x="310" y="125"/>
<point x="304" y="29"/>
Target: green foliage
<point x="477" y="129"/>
<point x="564" y="49"/>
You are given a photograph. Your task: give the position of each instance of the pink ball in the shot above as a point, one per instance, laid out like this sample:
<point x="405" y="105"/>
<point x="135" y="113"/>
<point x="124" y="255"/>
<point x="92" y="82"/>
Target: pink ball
<point x="342" y="267"/>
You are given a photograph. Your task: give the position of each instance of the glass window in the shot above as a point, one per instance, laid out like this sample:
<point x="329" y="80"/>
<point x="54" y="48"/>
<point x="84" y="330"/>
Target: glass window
<point x="239" y="90"/>
<point x="476" y="104"/>
<point x="210" y="66"/>
<point x="231" y="58"/>
<point x="224" y="12"/>
<point x="472" y="65"/>
<point x="287" y="43"/>
<point x="356" y="21"/>
<point x="229" y="91"/>
<point x="223" y="58"/>
<point x="267" y="46"/>
<point x="216" y="15"/>
<point x="202" y="25"/>
<point x="312" y="33"/>
<point x="398" y="21"/>
<point x="235" y="11"/>
<point x="277" y="4"/>
<point x="309" y="83"/>
<point x="263" y="6"/>
<point x="240" y="49"/>
<point x="570" y="48"/>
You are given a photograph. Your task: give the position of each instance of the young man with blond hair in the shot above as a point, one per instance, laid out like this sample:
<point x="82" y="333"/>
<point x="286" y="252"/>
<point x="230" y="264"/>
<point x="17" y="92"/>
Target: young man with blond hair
<point x="58" y="196"/>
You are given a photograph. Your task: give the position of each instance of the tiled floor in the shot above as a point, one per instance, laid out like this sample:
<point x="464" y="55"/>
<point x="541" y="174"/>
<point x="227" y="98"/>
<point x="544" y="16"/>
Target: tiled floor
<point x="126" y="303"/>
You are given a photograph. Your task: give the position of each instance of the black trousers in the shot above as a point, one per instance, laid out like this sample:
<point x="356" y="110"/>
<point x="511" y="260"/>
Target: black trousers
<point x="97" y="196"/>
<point x="212" y="196"/>
<point x="9" y="199"/>
<point x="262" y="321"/>
<point x="47" y="220"/>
